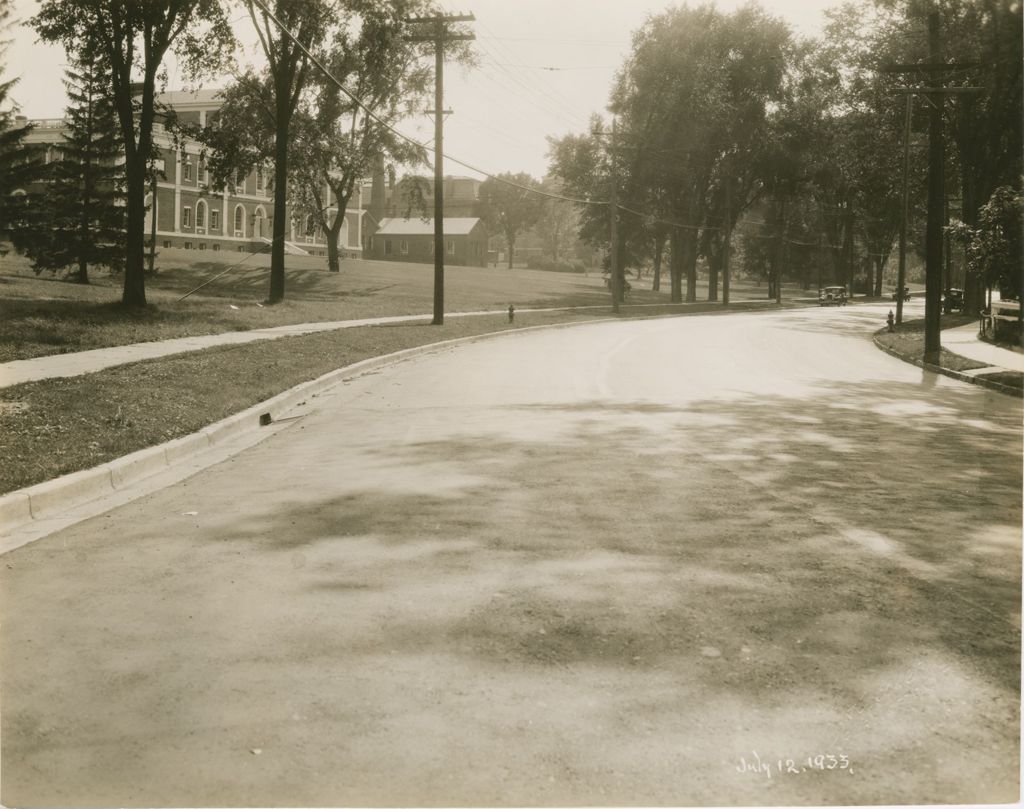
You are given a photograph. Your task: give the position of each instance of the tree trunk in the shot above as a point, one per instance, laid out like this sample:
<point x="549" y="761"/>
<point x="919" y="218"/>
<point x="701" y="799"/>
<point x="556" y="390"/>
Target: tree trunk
<point x="714" y="265"/>
<point x="659" y="249"/>
<point x="134" y="293"/>
<point x="280" y="197"/>
<point x="333" y="263"/>
<point x="690" y="264"/>
<point x="879" y="266"/>
<point x="675" y="267"/>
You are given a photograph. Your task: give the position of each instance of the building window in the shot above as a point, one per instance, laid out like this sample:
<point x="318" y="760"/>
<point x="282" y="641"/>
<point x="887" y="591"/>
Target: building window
<point x="451" y="247"/>
<point x="188" y="245"/>
<point x="259" y="178"/>
<point x="167" y="243"/>
<point x="186" y="217"/>
<point x="403" y="247"/>
<point x="202" y="245"/>
<point x="202" y="175"/>
<point x="239" y="220"/>
<point x="260" y="217"/>
<point x="200" y="215"/>
<point x="187" y="169"/>
<point x="240" y="183"/>
<point x="216" y="247"/>
<point x="214" y="220"/>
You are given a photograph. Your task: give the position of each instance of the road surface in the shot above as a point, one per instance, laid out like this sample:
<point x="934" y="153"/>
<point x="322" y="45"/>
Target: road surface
<point x="615" y="564"/>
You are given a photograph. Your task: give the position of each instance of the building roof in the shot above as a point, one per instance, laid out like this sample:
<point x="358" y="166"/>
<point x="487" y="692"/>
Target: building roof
<point x="210" y="97"/>
<point x="453" y="226"/>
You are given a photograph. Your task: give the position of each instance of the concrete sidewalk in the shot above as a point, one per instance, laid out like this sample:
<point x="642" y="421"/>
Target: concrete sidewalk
<point x="964" y="341"/>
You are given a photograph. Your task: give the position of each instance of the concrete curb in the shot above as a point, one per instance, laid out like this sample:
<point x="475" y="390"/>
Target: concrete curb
<point x="50" y="498"/>
<point x="938" y="369"/>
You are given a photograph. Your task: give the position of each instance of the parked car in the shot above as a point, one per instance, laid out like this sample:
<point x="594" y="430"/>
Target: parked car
<point x="906" y="294"/>
<point x="832" y="296"/>
<point x="953" y="301"/>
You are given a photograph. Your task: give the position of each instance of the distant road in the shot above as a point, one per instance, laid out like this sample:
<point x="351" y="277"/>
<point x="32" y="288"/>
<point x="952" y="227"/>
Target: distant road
<point x="631" y="563"/>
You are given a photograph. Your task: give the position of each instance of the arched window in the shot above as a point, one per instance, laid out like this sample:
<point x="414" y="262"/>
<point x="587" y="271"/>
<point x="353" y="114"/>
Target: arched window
<point x="260" y="218"/>
<point x="200" y="215"/>
<point x="240" y="220"/>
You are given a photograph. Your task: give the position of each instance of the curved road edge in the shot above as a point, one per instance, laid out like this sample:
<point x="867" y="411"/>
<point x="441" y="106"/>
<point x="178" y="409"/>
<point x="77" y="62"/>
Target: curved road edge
<point x="938" y="369"/>
<point x="37" y="511"/>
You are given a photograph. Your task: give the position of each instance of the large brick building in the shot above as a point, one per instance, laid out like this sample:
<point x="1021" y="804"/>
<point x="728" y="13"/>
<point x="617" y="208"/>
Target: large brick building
<point x="191" y="214"/>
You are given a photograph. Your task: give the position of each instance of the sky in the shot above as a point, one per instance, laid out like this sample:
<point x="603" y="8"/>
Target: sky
<point x="504" y="109"/>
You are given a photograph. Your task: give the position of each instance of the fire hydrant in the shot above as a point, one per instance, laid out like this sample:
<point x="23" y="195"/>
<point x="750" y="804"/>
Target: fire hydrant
<point x="891" y="321"/>
<point x="511" y="313"/>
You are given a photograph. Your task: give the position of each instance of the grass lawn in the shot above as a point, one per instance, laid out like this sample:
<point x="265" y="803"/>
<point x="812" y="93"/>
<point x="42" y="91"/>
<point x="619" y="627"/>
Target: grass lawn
<point x="44" y="315"/>
<point x="908" y="342"/>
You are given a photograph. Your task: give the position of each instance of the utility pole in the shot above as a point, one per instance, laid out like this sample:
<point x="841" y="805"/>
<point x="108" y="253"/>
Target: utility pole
<point x="936" y="92"/>
<point x="936" y="197"/>
<point x="440" y="36"/>
<point x="614" y="277"/>
<point x="901" y="275"/>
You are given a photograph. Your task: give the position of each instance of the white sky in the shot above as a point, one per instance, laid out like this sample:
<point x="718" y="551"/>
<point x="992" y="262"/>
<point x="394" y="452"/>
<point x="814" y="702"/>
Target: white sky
<point x="504" y="109"/>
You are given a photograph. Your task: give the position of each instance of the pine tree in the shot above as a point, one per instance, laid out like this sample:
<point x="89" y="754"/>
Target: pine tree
<point x="85" y="200"/>
<point x="19" y="164"/>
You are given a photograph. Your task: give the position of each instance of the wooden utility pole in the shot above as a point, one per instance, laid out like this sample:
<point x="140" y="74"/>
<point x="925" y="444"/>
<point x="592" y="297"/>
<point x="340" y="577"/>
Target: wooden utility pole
<point x="936" y="198"/>
<point x="439" y="37"/>
<point x="936" y="93"/>
<point x="614" y="276"/>
<point x="901" y="275"/>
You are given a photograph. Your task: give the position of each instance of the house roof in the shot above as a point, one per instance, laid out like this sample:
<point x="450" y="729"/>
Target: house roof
<point x="453" y="226"/>
<point x="188" y="98"/>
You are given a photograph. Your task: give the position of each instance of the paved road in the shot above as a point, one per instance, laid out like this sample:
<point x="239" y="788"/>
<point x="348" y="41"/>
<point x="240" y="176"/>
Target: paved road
<point x="612" y="564"/>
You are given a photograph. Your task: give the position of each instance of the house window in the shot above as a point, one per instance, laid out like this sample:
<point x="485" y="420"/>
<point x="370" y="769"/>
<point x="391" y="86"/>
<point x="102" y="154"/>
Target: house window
<point x="187" y="168"/>
<point x="451" y="247"/>
<point x="186" y="217"/>
<point x="403" y="247"/>
<point x="202" y="245"/>
<point x="214" y="220"/>
<point x="239" y="221"/>
<point x="216" y="247"/>
<point x="259" y="178"/>
<point x="260" y="215"/>
<point x="387" y="247"/>
<point x="200" y="215"/>
<point x="188" y="245"/>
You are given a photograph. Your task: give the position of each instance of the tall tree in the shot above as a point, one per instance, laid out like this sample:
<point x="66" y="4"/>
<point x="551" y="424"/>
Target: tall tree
<point x="84" y="203"/>
<point x="508" y="207"/>
<point x="19" y="164"/>
<point x="694" y="94"/>
<point x="335" y="142"/>
<point x="558" y="223"/>
<point x="133" y="38"/>
<point x="302" y="26"/>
